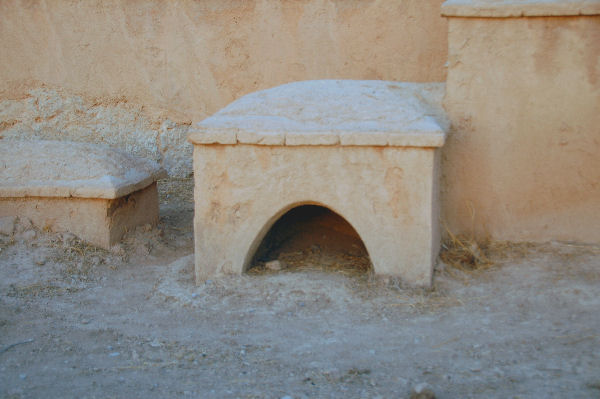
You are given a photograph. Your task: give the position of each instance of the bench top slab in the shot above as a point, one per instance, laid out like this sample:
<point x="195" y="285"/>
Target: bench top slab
<point x="67" y="169"/>
<point x="331" y="112"/>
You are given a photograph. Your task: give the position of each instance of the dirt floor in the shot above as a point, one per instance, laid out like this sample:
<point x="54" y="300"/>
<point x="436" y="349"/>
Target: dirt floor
<point x="80" y="322"/>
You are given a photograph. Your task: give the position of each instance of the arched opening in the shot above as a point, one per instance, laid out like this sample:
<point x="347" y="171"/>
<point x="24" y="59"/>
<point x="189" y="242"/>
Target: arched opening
<point x="311" y="237"/>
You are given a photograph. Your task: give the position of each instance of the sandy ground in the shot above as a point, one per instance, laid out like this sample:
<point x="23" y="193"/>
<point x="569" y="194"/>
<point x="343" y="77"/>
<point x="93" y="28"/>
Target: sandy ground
<point x="79" y="322"/>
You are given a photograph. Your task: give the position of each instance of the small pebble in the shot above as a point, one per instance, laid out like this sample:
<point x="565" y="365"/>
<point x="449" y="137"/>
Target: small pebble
<point x="422" y="391"/>
<point x="273" y="265"/>
<point x="22" y="376"/>
<point x="114" y="354"/>
<point x="39" y="260"/>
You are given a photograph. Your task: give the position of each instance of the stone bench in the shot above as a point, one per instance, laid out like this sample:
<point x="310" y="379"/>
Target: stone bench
<point x="94" y="192"/>
<point x="364" y="149"/>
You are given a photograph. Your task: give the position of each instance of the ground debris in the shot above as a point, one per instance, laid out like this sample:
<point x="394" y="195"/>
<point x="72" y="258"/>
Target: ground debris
<point x="8" y="347"/>
<point x="323" y="326"/>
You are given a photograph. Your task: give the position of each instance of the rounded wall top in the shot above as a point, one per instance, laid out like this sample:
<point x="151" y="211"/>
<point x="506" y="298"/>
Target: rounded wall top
<point x="67" y="169"/>
<point x="519" y="8"/>
<point x="331" y="112"/>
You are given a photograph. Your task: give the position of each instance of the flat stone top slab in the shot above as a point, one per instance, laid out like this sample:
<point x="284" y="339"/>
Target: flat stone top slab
<point x="331" y="112"/>
<point x="67" y="169"/>
<point x="519" y="8"/>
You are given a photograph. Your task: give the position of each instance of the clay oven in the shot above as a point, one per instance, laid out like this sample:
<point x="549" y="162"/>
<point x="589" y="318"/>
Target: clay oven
<point x="367" y="150"/>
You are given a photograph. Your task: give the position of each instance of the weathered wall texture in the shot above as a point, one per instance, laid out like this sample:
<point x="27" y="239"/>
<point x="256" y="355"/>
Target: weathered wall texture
<point x="134" y="74"/>
<point x="523" y="96"/>
<point x="52" y="114"/>
<point x="184" y="60"/>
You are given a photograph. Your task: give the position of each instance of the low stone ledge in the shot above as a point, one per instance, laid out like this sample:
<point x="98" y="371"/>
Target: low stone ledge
<point x="95" y="192"/>
<point x="66" y="169"/>
<point x="519" y="8"/>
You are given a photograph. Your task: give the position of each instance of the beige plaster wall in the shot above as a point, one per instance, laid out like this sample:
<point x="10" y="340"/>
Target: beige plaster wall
<point x="186" y="59"/>
<point x="522" y="161"/>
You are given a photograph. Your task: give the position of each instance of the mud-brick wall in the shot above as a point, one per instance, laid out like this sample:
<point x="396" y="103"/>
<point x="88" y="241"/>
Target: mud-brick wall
<point x="136" y="73"/>
<point x="522" y="161"/>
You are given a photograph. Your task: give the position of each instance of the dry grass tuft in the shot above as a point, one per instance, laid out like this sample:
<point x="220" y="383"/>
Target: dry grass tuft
<point x="465" y="254"/>
<point x="469" y="255"/>
<point x="79" y="258"/>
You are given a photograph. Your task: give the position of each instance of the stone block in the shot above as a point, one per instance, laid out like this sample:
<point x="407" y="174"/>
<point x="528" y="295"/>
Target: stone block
<point x="95" y="192"/>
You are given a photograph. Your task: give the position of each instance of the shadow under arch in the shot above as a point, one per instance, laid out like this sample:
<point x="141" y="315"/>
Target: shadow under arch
<point x="296" y="213"/>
